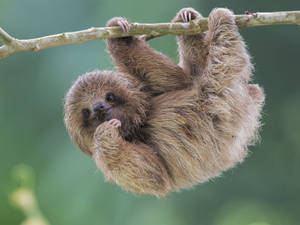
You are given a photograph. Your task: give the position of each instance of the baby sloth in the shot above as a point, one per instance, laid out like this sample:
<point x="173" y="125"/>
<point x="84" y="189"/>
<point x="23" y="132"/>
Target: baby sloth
<point x="153" y="126"/>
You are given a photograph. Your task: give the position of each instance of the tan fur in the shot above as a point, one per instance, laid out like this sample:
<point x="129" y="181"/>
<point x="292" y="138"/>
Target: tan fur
<point x="181" y="124"/>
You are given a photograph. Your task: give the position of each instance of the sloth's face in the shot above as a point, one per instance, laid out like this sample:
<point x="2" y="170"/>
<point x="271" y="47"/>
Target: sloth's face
<point x="100" y="96"/>
<point x="102" y="109"/>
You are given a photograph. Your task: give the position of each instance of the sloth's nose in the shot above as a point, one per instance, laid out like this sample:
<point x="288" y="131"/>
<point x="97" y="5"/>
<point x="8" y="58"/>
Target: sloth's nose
<point x="100" y="106"/>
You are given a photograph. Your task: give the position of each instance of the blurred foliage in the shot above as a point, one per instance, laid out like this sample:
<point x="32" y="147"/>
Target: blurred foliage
<point x="264" y="190"/>
<point x="23" y="196"/>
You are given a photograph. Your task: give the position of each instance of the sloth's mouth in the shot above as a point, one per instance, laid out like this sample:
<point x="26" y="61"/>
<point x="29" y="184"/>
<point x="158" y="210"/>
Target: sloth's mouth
<point x="101" y="117"/>
<point x="97" y="119"/>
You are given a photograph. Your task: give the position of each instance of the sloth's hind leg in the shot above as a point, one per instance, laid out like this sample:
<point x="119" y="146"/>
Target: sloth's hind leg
<point x="228" y="59"/>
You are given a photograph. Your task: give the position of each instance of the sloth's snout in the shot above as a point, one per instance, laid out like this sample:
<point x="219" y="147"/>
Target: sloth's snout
<point x="100" y="107"/>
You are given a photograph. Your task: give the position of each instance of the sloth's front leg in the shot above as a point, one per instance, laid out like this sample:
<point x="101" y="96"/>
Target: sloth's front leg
<point x="134" y="56"/>
<point x="192" y="48"/>
<point x="135" y="167"/>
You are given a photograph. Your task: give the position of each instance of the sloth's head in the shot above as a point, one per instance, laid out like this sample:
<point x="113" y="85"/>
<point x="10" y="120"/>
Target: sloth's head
<point x="100" y="96"/>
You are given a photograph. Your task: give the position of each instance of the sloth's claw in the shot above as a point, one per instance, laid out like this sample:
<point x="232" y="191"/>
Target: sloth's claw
<point x="187" y="15"/>
<point x="124" y="24"/>
<point x="115" y="123"/>
<point x="119" y="21"/>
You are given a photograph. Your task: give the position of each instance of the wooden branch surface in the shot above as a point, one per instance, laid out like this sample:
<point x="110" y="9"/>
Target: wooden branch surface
<point x="12" y="45"/>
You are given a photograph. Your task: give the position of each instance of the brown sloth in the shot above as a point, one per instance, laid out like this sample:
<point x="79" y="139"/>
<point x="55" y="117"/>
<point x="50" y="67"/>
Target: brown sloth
<point x="153" y="126"/>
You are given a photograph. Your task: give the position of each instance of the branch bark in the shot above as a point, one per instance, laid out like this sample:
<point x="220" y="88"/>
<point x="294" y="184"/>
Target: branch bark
<point x="12" y="45"/>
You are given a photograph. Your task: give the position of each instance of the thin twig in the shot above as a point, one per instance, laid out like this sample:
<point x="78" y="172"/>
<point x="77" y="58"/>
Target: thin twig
<point x="12" y="45"/>
<point x="5" y="38"/>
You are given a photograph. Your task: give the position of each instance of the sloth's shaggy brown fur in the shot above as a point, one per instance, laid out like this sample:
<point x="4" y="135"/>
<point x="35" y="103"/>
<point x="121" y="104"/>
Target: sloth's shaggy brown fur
<point x="180" y="124"/>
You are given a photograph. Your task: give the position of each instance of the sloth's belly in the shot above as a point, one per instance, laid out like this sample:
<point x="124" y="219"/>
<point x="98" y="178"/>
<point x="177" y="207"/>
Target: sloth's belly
<point x="174" y="130"/>
<point x="184" y="135"/>
<point x="176" y="114"/>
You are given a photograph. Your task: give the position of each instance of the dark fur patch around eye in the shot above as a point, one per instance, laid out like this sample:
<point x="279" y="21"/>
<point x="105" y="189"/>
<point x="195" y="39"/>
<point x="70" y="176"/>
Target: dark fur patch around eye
<point x="110" y="97"/>
<point x="86" y="113"/>
<point x="85" y="123"/>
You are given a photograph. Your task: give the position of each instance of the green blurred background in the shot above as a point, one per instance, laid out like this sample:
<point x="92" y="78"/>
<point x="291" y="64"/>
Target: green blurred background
<point x="264" y="190"/>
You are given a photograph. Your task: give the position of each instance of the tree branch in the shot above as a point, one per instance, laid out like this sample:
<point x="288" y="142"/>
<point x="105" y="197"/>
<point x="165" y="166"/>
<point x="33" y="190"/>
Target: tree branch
<point x="12" y="45"/>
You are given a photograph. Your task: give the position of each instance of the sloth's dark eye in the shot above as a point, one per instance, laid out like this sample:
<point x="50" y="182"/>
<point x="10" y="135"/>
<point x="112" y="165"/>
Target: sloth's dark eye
<point x="86" y="113"/>
<point x="110" y="97"/>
